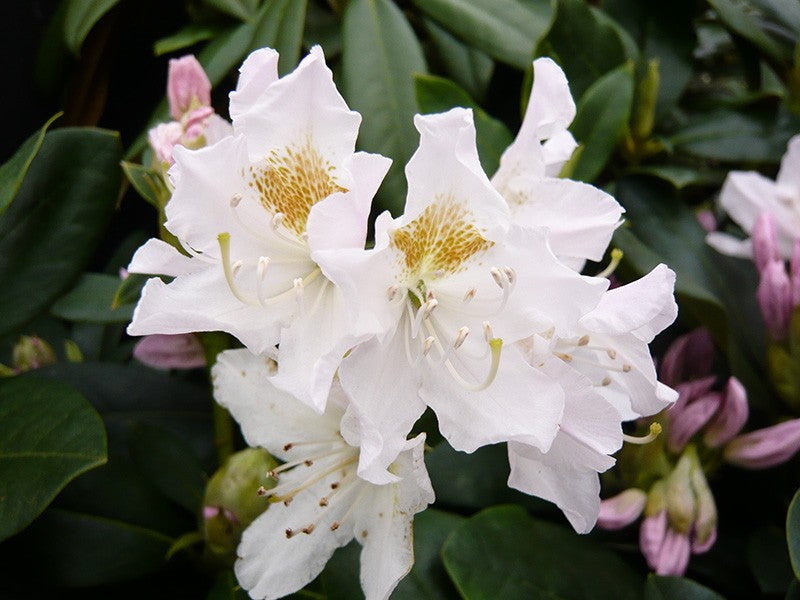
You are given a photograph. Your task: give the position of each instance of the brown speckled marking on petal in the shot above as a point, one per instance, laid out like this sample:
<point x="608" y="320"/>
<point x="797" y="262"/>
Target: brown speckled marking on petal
<point x="442" y="238"/>
<point x="291" y="182"/>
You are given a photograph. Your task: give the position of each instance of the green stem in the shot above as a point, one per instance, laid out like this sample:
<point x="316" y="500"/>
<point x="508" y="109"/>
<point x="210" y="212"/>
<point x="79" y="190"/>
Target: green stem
<point x="213" y="343"/>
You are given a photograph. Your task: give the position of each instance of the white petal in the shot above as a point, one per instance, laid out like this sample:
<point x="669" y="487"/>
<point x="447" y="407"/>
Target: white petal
<point x="644" y="307"/>
<point x="384" y="404"/>
<point x="550" y="107"/>
<point x="157" y="257"/>
<point x="557" y="151"/>
<point x="724" y="243"/>
<point x="269" y="417"/>
<point x="388" y="552"/>
<point x="521" y="403"/>
<point x="216" y="129"/>
<point x="789" y="174"/>
<point x="258" y="71"/>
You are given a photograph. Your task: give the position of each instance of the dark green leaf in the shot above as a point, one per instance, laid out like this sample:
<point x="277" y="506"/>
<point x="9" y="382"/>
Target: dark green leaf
<point x="13" y="171"/>
<point x="603" y="113"/>
<point x="280" y="26"/>
<point x="508" y="30"/>
<point x="221" y="55"/>
<point x="677" y="588"/>
<point x="91" y="301"/>
<point x="49" y="434"/>
<point x="148" y="183"/>
<point x="381" y="54"/>
<point x="80" y="17"/>
<point x="129" y="289"/>
<point x="186" y="36"/>
<point x="241" y="9"/>
<point x="322" y="27"/>
<point x="226" y="588"/>
<point x="49" y="233"/>
<point x="469" y="67"/>
<point x="503" y="553"/>
<point x="585" y="45"/>
<point x="769" y="560"/>
<point x="737" y="19"/>
<point x="681" y="177"/>
<point x="436" y="94"/>
<point x="793" y="533"/>
<point x="784" y="12"/>
<point x="170" y="464"/>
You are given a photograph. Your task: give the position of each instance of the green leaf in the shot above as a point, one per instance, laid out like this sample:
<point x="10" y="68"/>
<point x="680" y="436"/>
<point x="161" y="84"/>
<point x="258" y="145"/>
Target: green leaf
<point x="681" y="177"/>
<point x="80" y="17"/>
<point x="749" y="136"/>
<point x="91" y="301"/>
<point x="186" y="36"/>
<point x="677" y="588"/>
<point x="170" y="464"/>
<point x="220" y="57"/>
<point x="436" y="94"/>
<point x="226" y="588"/>
<point x="148" y="183"/>
<point x="793" y="533"/>
<point x="49" y="234"/>
<point x="508" y="30"/>
<point x="280" y="26"/>
<point x="468" y="67"/>
<point x="744" y="24"/>
<point x="503" y="553"/>
<point x="586" y="45"/>
<point x="75" y="549"/>
<point x="601" y="119"/>
<point x="769" y="560"/>
<point x="240" y="9"/>
<point x="787" y="13"/>
<point x="129" y="290"/>
<point x="49" y="434"/>
<point x="380" y="56"/>
<point x="13" y="171"/>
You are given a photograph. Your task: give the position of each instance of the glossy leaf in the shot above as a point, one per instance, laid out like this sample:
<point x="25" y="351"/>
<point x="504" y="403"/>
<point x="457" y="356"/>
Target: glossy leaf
<point x="241" y="9"/>
<point x="743" y="23"/>
<point x="793" y="533"/>
<point x="49" y="434"/>
<point x="436" y="94"/>
<point x="13" y="171"/>
<point x="381" y="54"/>
<point x="508" y="30"/>
<point x="603" y="114"/>
<point x="469" y="67"/>
<point x="80" y="17"/>
<point x="584" y="44"/>
<point x="769" y="560"/>
<point x="91" y="301"/>
<point x="503" y="553"/>
<point x="677" y="588"/>
<point x="185" y="37"/>
<point x="49" y="233"/>
<point x="280" y="26"/>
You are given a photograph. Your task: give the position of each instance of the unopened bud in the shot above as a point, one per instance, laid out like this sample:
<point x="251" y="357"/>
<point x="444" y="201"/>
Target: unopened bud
<point x="705" y="523"/>
<point x="31" y="352"/>
<point x="765" y="241"/>
<point x="679" y="495"/>
<point x="731" y="416"/>
<point x="187" y="84"/>
<point x="765" y="447"/>
<point x="774" y="297"/>
<point x="177" y="351"/>
<point x="794" y="268"/>
<point x="688" y="357"/>
<point x="621" y="510"/>
<point x="691" y="419"/>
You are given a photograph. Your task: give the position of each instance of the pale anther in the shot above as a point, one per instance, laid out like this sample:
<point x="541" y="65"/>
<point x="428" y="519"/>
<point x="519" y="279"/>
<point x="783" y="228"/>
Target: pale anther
<point x="428" y="307"/>
<point x="510" y="274"/>
<point x="612" y="354"/>
<point x="606" y="381"/>
<point x="235" y="200"/>
<point x="391" y="292"/>
<point x="487" y="331"/>
<point x="427" y="345"/>
<point x="463" y="332"/>
<point x="626" y="367"/>
<point x="236" y="267"/>
<point x="583" y="341"/>
<point x="469" y="295"/>
<point x="498" y="276"/>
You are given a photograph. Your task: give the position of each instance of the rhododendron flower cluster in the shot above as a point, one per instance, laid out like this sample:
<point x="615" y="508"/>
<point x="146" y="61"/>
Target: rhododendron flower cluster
<point x="470" y="303"/>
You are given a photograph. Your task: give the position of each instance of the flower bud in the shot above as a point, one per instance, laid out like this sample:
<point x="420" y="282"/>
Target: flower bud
<point x="162" y="139"/>
<point x="765" y="447"/>
<point x="688" y="357"/>
<point x="731" y="416"/>
<point x="765" y="241"/>
<point x="707" y="220"/>
<point x="680" y="496"/>
<point x="232" y="500"/>
<point x="683" y="424"/>
<point x="794" y="268"/>
<point x="31" y="352"/>
<point x="187" y="85"/>
<point x="621" y="510"/>
<point x="705" y="523"/>
<point x="775" y="299"/>
<point x="651" y="537"/>
<point x="179" y="351"/>
<point x="673" y="557"/>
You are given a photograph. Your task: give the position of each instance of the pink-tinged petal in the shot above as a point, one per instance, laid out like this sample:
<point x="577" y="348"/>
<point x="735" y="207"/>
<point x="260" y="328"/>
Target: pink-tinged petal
<point x="729" y="245"/>
<point x="731" y="417"/>
<point x="689" y="392"/>
<point x="765" y="447"/>
<point x="186" y="82"/>
<point x="789" y="174"/>
<point x="194" y="123"/>
<point x="706" y="545"/>
<point x="685" y="423"/>
<point x="182" y="351"/>
<point x="163" y="138"/>
<point x="688" y="357"/>
<point x="157" y="257"/>
<point x="621" y="510"/>
<point x="645" y="307"/>
<point x="774" y="297"/>
<point x="652" y="532"/>
<point x="765" y="241"/>
<point x="673" y="558"/>
<point x="707" y="220"/>
<point x="794" y="270"/>
<point x="258" y="71"/>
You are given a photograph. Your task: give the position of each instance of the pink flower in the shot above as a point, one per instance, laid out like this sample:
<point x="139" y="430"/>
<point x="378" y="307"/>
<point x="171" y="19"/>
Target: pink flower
<point x="765" y="241"/>
<point x="688" y="357"/>
<point x="621" y="510"/>
<point x="187" y="84"/>
<point x="774" y="297"/>
<point x="181" y="351"/>
<point x="765" y="447"/>
<point x="731" y="416"/>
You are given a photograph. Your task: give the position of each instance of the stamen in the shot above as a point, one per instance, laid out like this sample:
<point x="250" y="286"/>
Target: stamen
<point x="616" y="257"/>
<point x="469" y="295"/>
<point x="606" y="381"/>
<point x="308" y="461"/>
<point x="427" y="344"/>
<point x="277" y="223"/>
<point x="655" y="430"/>
<point x="297" y="284"/>
<point x="496" y="344"/>
<point x="499" y="277"/>
<point x="224" y="240"/>
<point x="234" y="204"/>
<point x="278" y="494"/>
<point x="463" y="332"/>
<point x="612" y="354"/>
<point x="236" y="267"/>
<point x="510" y="274"/>
<point x="487" y="332"/>
<point x="583" y="341"/>
<point x="391" y="292"/>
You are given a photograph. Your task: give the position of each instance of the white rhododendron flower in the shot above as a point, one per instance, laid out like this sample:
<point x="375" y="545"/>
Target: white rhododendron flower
<point x="580" y="217"/>
<point x="252" y="211"/>
<point x="319" y="503"/>
<point x="746" y="195"/>
<point x="448" y="288"/>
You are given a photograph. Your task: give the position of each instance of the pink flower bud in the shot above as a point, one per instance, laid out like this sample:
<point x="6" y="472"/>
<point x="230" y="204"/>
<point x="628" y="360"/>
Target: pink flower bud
<point x="690" y="391"/>
<point x="731" y="416"/>
<point x="673" y="559"/>
<point x="186" y="82"/>
<point x="194" y="124"/>
<point x="162" y="139"/>
<point x="707" y="220"/>
<point x="765" y="447"/>
<point x="651" y="536"/>
<point x="688" y="357"/>
<point x="685" y="423"/>
<point x="795" y="273"/>
<point x="775" y="299"/>
<point x="765" y="241"/>
<point x="621" y="510"/>
<point x="181" y="351"/>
